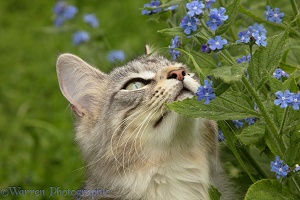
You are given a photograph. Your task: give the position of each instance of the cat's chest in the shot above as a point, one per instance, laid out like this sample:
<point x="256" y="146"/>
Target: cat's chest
<point x="174" y="180"/>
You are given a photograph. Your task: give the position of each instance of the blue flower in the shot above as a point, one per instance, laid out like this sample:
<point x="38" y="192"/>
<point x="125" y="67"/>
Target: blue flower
<point x="259" y="39"/>
<point x="116" y="55"/>
<point x="189" y="24"/>
<point x="80" y="37"/>
<point x="216" y="43"/>
<point x="194" y="8"/>
<point x="283" y="99"/>
<point x="216" y="18"/>
<point x="296" y="101"/>
<point x="63" y="12"/>
<point x="297" y="168"/>
<point x="205" y="48"/>
<point x="154" y="6"/>
<point x="250" y="121"/>
<point x="244" y="36"/>
<point x="206" y="92"/>
<point x="273" y="15"/>
<point x="258" y="28"/>
<point x="173" y="7"/>
<point x="238" y="123"/>
<point x="91" y="19"/>
<point x="221" y="136"/>
<point x="209" y="2"/>
<point x="279" y="167"/>
<point x="175" y="43"/>
<point x="244" y="59"/>
<point x="279" y="73"/>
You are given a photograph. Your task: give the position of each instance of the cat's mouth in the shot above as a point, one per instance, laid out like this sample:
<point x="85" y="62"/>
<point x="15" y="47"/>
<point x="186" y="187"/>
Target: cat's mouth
<point x="183" y="94"/>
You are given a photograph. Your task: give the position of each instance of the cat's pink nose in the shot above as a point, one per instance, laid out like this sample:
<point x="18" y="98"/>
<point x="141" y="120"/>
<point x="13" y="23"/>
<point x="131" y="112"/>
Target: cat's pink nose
<point x="177" y="74"/>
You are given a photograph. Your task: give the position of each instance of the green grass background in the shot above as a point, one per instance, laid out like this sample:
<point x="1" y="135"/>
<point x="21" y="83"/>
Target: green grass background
<point x="37" y="150"/>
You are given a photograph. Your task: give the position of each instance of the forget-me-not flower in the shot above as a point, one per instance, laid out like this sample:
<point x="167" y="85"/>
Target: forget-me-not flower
<point x="279" y="73"/>
<point x="283" y="99"/>
<point x="175" y="43"/>
<point x="63" y="12"/>
<point x="116" y="55"/>
<point x="238" y="123"/>
<point x="216" y="43"/>
<point x="216" y="18"/>
<point x="279" y="167"/>
<point x="209" y="2"/>
<point x="296" y="101"/>
<point x="243" y="59"/>
<point x="194" y="8"/>
<point x="206" y="92"/>
<point x="189" y="24"/>
<point x="91" y="19"/>
<point x="80" y="37"/>
<point x="154" y="7"/>
<point x="273" y="15"/>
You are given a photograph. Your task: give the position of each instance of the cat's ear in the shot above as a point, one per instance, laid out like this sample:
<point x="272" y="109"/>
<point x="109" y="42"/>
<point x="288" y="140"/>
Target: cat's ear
<point x="80" y="83"/>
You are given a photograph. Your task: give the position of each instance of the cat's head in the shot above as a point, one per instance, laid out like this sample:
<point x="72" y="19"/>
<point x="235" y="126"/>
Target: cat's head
<point x="127" y="105"/>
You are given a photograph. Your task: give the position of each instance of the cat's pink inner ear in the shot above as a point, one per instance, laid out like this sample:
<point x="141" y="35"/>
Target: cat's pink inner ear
<point x="80" y="83"/>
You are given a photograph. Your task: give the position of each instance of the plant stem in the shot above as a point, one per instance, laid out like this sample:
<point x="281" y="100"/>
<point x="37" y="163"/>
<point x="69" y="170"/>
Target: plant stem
<point x="295" y="9"/>
<point x="251" y="71"/>
<point x="273" y="131"/>
<point x="283" y="120"/>
<point x="296" y="184"/>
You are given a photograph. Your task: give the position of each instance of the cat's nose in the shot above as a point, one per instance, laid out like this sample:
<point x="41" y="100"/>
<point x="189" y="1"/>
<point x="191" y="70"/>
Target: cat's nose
<point x="177" y="74"/>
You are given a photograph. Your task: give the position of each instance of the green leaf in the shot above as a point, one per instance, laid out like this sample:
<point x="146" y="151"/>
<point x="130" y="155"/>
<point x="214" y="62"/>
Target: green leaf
<point x="266" y="59"/>
<point x="228" y="106"/>
<point x="269" y="190"/>
<point x="232" y="11"/>
<point x="252" y="134"/>
<point x="176" y="31"/>
<point x="227" y="131"/>
<point x="222" y="88"/>
<point x="214" y="194"/>
<point x="275" y="143"/>
<point x="292" y="155"/>
<point x="230" y="74"/>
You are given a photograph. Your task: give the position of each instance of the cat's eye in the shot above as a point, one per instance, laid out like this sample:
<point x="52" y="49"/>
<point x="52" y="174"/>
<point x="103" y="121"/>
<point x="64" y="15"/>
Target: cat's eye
<point x="135" y="84"/>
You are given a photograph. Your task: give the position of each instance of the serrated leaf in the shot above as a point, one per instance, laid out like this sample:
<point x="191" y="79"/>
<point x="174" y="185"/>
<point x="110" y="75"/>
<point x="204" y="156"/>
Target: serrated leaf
<point x="275" y="143"/>
<point x="275" y="84"/>
<point x="222" y="88"/>
<point x="269" y="190"/>
<point x="214" y="194"/>
<point x="230" y="74"/>
<point x="252" y="134"/>
<point x="229" y="106"/>
<point x="266" y="59"/>
<point x="232" y="11"/>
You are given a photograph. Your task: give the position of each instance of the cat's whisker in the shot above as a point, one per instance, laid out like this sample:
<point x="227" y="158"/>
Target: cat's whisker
<point x="122" y="133"/>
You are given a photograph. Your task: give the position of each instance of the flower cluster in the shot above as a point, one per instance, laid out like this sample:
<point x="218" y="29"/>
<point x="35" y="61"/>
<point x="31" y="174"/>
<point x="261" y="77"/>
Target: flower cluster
<point x="63" y="12"/>
<point x="279" y="73"/>
<point x="206" y="92"/>
<point x="254" y="34"/>
<point x="274" y="15"/>
<point x="175" y="43"/>
<point x="153" y="8"/>
<point x="287" y="99"/>
<point x="279" y="167"/>
<point x="195" y="8"/>
<point x="244" y="59"/>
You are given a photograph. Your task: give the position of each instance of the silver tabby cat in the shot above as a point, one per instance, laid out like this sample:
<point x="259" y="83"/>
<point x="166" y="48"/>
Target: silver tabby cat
<point x="131" y="143"/>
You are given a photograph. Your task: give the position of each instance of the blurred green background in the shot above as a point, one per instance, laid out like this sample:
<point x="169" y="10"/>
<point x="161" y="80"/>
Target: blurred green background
<point x="37" y="149"/>
<point x="36" y="125"/>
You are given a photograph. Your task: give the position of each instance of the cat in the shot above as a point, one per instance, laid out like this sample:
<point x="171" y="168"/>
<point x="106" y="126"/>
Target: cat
<point x="131" y="143"/>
